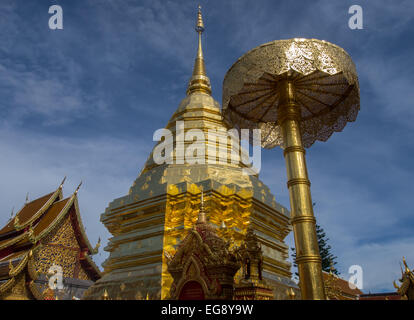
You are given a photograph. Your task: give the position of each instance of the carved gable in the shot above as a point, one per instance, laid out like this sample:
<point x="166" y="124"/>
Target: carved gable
<point x="61" y="247"/>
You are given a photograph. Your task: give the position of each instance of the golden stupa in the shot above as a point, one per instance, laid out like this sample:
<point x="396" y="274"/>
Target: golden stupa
<point x="163" y="205"/>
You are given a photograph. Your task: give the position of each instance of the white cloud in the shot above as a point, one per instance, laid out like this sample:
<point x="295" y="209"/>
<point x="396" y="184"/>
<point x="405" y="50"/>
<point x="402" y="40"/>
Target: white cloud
<point x="46" y="94"/>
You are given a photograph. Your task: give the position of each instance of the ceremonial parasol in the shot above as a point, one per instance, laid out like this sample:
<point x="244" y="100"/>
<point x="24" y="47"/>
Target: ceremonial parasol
<point x="296" y="91"/>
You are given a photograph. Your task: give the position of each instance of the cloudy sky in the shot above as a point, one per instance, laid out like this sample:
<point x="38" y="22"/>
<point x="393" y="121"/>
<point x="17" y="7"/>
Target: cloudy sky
<point x="85" y="101"/>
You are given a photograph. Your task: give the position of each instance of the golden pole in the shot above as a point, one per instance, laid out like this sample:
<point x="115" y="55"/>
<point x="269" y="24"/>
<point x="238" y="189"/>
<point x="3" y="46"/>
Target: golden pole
<point x="307" y="251"/>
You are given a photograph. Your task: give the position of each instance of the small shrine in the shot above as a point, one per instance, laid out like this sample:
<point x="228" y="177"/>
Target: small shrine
<point x="252" y="286"/>
<point x="203" y="267"/>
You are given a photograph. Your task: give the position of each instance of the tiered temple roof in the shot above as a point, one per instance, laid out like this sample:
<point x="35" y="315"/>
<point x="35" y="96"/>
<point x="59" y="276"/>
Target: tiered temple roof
<point x="46" y="231"/>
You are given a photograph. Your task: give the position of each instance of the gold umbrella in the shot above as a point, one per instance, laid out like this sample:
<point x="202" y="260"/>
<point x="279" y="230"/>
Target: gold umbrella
<point x="296" y="91"/>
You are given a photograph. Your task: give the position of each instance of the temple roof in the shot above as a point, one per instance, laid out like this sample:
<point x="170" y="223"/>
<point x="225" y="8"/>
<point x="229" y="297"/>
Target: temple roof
<point x="29" y="213"/>
<point x="340" y="285"/>
<point x="36" y="220"/>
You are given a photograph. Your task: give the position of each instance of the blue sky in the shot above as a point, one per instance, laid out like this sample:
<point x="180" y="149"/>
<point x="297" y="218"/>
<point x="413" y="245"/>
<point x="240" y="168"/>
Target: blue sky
<point x="85" y="101"/>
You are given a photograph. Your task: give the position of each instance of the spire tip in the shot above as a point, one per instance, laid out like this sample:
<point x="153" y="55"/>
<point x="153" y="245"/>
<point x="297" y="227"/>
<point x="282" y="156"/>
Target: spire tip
<point x="200" y="25"/>
<point x="199" y="81"/>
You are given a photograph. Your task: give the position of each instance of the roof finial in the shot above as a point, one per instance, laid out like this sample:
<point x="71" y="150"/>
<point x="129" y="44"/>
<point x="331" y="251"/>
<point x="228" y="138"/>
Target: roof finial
<point x="27" y="198"/>
<point x="77" y="189"/>
<point x="199" y="81"/>
<point x="63" y="181"/>
<point x="406" y="267"/>
<point x="202" y="214"/>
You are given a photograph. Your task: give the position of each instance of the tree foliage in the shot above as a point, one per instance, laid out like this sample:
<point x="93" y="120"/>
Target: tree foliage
<point x="325" y="250"/>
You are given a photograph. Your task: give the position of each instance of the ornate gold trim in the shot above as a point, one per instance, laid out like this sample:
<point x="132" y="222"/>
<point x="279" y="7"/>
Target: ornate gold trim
<point x="14" y="271"/>
<point x="293" y="149"/>
<point x="308" y="258"/>
<point x="31" y="269"/>
<point x="296" y="181"/>
<point x="300" y="219"/>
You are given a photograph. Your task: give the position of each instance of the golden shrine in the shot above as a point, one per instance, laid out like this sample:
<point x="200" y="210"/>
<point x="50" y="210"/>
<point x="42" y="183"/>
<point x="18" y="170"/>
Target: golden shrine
<point x="162" y="208"/>
<point x="46" y="236"/>
<point x="203" y="267"/>
<point x="252" y="285"/>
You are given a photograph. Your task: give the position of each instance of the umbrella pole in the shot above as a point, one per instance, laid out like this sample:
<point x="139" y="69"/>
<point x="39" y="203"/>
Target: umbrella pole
<point x="304" y="223"/>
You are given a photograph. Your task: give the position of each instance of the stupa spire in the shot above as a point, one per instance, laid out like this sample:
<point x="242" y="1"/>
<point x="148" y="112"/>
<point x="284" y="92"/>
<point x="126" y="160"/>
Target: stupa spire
<point x="199" y="81"/>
